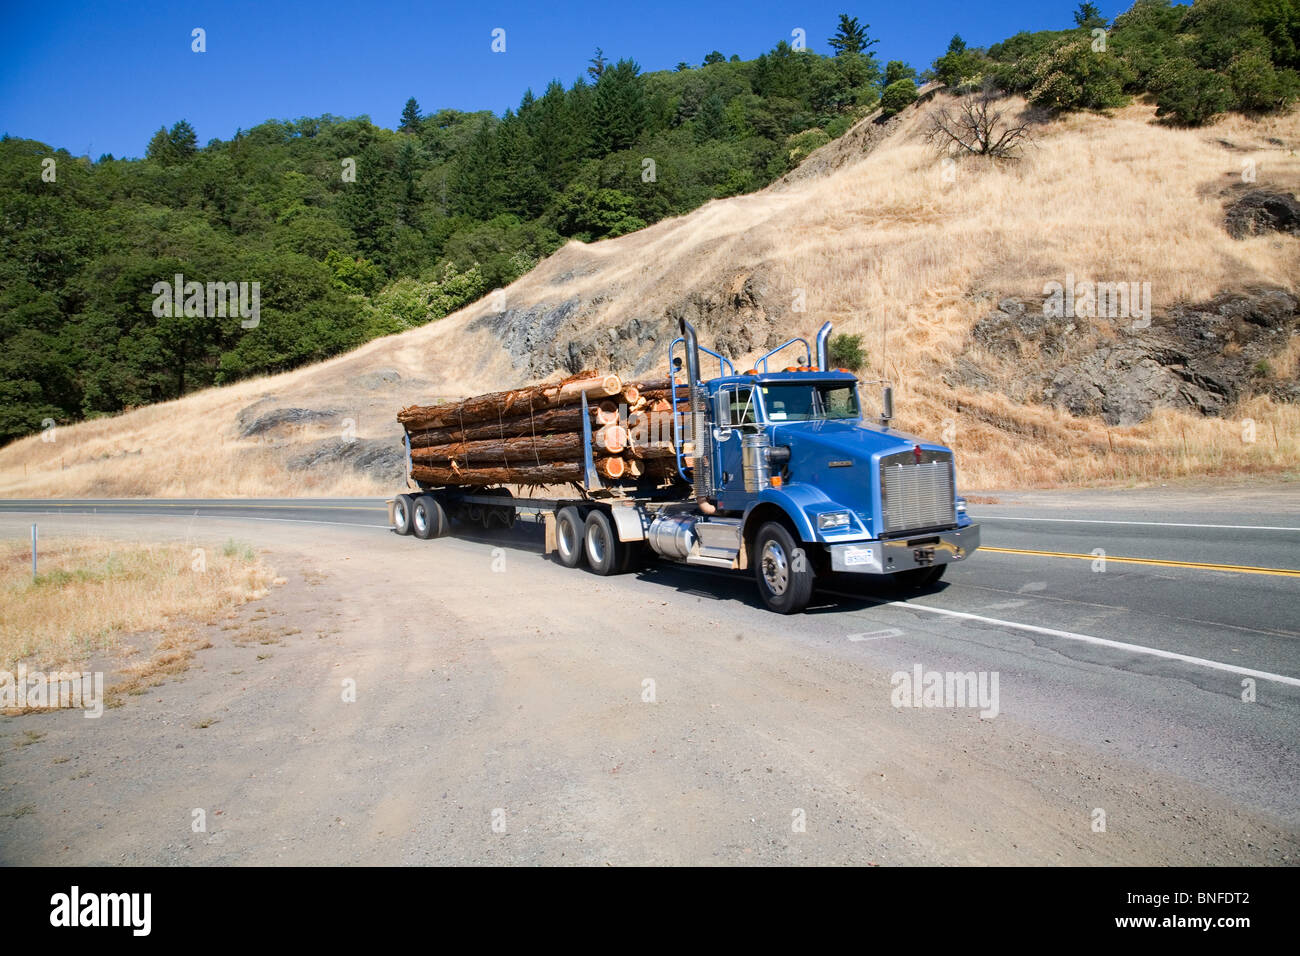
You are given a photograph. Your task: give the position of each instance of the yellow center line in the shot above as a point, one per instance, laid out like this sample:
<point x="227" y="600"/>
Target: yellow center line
<point x="1194" y="565"/>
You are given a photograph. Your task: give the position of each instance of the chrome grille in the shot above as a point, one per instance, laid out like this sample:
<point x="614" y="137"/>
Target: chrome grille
<point x="917" y="496"/>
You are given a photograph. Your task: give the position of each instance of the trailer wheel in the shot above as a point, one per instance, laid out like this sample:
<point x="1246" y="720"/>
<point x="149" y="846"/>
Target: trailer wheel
<point x="783" y="570"/>
<point x="605" y="553"/>
<point x="428" y="519"/>
<point x="568" y="536"/>
<point x="402" y="514"/>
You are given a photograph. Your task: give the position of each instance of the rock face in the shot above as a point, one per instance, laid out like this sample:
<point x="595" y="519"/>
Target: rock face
<point x="1201" y="357"/>
<point x="257" y="421"/>
<point x="1262" y="211"/>
<point x="380" y="458"/>
<point x="376" y="379"/>
<point x="734" y="319"/>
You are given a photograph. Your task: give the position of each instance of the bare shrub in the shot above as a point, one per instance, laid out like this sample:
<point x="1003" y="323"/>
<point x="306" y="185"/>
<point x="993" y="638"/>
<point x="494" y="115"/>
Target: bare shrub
<point x="977" y="125"/>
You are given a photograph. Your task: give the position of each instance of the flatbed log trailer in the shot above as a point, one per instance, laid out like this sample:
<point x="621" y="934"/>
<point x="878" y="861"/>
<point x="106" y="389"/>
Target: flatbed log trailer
<point x="776" y="472"/>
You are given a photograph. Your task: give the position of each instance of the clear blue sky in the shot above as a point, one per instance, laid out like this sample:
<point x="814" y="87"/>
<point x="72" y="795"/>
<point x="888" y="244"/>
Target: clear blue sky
<point x="101" y="77"/>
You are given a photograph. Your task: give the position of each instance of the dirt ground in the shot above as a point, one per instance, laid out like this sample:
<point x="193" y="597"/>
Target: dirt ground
<point x="502" y="715"/>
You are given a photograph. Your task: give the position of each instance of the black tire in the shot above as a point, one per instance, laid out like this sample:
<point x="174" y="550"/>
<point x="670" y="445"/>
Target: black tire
<point x="402" y="513"/>
<point x="917" y="578"/>
<point x="568" y="536"/>
<point x="604" y="552"/>
<point x="635" y="556"/>
<point x="783" y="569"/>
<point x="428" y="519"/>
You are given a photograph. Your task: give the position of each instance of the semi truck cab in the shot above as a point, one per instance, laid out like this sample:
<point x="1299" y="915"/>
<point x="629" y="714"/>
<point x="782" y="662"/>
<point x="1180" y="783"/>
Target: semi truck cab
<point x="805" y="483"/>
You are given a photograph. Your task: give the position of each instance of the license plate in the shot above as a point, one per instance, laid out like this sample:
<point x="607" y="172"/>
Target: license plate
<point x="857" y="556"/>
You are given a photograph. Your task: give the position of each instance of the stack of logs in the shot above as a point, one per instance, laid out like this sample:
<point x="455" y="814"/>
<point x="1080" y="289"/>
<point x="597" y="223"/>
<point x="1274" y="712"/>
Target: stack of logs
<point x="533" y="435"/>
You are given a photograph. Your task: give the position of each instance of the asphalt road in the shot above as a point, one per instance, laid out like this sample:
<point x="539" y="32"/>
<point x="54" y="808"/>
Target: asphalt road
<point x="1222" y="585"/>
<point x="1142" y="659"/>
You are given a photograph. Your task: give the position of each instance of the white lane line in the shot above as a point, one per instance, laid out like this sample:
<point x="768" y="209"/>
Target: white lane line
<point x="1102" y="642"/>
<point x="1148" y="524"/>
<point x="876" y="635"/>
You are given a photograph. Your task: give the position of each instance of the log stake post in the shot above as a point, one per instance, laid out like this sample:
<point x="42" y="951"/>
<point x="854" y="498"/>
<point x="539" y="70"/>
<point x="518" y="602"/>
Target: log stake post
<point x="590" y="477"/>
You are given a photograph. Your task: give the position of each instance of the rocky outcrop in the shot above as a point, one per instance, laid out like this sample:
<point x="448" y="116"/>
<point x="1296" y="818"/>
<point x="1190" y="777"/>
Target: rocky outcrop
<point x="381" y="458"/>
<point x="1202" y="357"/>
<point x="1262" y="211"/>
<point x="257" y="419"/>
<point x="735" y="317"/>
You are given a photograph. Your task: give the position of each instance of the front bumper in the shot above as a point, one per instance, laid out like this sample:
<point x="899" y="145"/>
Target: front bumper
<point x="902" y="554"/>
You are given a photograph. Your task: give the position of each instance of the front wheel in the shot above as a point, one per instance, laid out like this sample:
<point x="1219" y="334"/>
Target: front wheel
<point x="783" y="570"/>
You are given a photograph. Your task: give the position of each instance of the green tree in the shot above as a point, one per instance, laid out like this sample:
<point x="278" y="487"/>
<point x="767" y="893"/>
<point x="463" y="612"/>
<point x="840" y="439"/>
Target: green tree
<point x="1087" y="16"/>
<point x="958" y="65"/>
<point x="1072" y="76"/>
<point x="410" y="117"/>
<point x="160" y="147"/>
<point x="1259" y="87"/>
<point x="896" y="70"/>
<point x="897" y="96"/>
<point x="846" y="351"/>
<point x="1190" y="95"/>
<point x="851" y="36"/>
<point x="183" y="141"/>
<point x="620" y="113"/>
<point x="714" y="57"/>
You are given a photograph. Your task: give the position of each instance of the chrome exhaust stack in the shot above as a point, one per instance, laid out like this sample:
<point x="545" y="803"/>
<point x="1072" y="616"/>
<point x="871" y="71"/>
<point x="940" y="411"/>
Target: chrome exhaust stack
<point x="823" y="354"/>
<point x="701" y="434"/>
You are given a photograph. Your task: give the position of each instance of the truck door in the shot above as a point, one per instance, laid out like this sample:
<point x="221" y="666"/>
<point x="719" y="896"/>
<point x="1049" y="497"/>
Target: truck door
<point x="742" y="418"/>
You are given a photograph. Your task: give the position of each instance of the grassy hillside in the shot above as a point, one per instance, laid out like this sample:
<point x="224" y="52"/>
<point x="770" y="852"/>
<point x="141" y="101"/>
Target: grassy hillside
<point x="874" y="233"/>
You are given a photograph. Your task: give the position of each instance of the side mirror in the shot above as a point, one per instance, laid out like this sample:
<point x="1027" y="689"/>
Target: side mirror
<point x="887" y="403"/>
<point x="722" y="414"/>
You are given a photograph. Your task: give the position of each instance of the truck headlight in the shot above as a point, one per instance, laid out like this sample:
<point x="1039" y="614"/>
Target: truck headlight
<point x="961" y="506"/>
<point x="830" y="520"/>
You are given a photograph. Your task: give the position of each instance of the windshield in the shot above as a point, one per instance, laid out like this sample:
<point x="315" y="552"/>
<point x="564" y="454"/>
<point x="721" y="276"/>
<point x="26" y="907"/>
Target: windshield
<point x="797" y="402"/>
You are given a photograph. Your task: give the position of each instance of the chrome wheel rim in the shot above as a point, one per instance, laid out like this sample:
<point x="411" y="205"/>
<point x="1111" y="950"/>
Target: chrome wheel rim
<point x="776" y="570"/>
<point x="567" y="539"/>
<point x="421" y="519"/>
<point x="596" y="545"/>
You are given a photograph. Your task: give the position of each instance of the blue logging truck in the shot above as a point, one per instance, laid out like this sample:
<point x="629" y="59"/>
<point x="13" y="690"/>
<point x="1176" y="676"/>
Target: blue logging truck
<point x="774" y="472"/>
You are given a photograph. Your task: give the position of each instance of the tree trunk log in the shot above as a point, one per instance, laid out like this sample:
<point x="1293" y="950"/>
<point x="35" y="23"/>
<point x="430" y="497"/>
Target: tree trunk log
<point x="548" y="473"/>
<point x="613" y="467"/>
<point x="523" y="450"/>
<point x="567" y="418"/>
<point x="646" y="449"/>
<point x="510" y="403"/>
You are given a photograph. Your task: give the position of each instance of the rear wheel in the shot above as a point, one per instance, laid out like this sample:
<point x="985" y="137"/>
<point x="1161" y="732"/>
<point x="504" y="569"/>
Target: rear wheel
<point x="402" y="513"/>
<point x="917" y="578"/>
<point x="568" y="536"/>
<point x="428" y="519"/>
<point x="605" y="553"/>
<point x="784" y="573"/>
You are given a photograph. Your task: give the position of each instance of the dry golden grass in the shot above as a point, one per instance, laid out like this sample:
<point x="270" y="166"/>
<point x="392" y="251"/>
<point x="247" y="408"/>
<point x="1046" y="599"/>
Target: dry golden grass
<point x="882" y="246"/>
<point x="92" y="594"/>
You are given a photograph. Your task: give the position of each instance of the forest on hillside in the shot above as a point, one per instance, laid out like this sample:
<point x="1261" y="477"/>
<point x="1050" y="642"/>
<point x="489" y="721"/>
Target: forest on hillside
<point x="354" y="231"/>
